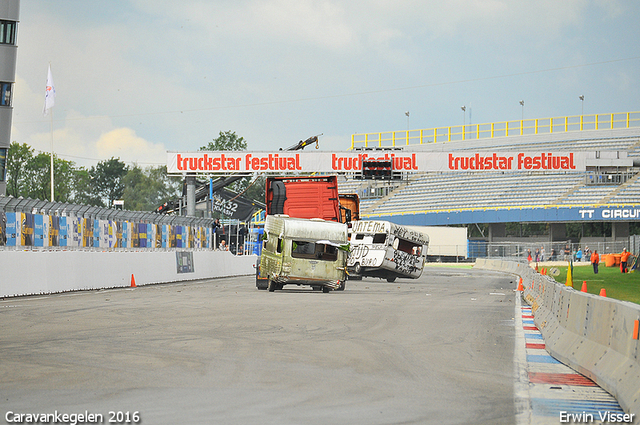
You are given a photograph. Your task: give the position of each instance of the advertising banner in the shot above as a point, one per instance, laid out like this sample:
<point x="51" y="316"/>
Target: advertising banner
<point x="142" y="235"/>
<point x="54" y="230"/>
<point x="63" y="232"/>
<point x="27" y="228"/>
<point x="229" y="162"/>
<point x="3" y="229"/>
<point x="38" y="230"/>
<point x="230" y="205"/>
<point x="96" y="233"/>
<point x="13" y="228"/>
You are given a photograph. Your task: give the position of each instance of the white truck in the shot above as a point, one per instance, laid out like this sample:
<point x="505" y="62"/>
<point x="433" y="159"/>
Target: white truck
<point x="386" y="250"/>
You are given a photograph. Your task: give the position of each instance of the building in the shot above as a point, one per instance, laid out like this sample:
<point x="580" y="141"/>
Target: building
<point x="9" y="10"/>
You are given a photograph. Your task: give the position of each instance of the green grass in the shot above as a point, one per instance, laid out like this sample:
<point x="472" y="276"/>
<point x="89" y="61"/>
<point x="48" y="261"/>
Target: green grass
<point x="625" y="287"/>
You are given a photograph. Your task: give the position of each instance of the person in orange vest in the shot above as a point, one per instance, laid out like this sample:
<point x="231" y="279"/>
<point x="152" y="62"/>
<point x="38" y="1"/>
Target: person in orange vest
<point x="624" y="257"/>
<point x="595" y="261"/>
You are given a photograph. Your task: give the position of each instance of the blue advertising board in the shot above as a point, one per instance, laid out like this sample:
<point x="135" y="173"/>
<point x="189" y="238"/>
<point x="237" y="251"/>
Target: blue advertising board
<point x="517" y="215"/>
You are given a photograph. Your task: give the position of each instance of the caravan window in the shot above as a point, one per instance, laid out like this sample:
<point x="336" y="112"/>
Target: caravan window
<point x="407" y="246"/>
<point x="379" y="238"/>
<point x="311" y="250"/>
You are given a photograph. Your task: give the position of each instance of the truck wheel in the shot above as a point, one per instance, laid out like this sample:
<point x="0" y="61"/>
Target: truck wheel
<point x="271" y="285"/>
<point x="326" y="289"/>
<point x="357" y="268"/>
<point x="341" y="287"/>
<point x="391" y="279"/>
<point x="261" y="284"/>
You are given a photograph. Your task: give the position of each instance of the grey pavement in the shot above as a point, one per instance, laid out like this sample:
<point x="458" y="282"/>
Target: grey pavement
<point x="437" y="350"/>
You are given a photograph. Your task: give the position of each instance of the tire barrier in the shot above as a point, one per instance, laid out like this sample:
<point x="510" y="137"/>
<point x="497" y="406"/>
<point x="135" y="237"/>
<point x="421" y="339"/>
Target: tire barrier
<point x="46" y="272"/>
<point x="596" y="336"/>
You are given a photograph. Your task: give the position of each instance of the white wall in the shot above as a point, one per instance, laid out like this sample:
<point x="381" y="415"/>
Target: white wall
<point x="45" y="272"/>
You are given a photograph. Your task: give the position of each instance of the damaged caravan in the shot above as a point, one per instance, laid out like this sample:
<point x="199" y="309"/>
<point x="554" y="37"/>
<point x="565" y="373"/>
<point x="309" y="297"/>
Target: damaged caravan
<point x="386" y="250"/>
<point x="304" y="252"/>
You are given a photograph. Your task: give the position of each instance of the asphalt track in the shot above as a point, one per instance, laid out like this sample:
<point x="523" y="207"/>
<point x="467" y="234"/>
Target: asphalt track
<point x="437" y="350"/>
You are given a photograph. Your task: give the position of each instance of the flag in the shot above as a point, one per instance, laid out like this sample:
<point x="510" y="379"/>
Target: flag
<point x="49" y="93"/>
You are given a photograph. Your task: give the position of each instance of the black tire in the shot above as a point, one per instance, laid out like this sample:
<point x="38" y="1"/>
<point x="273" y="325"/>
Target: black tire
<point x="271" y="285"/>
<point x="391" y="279"/>
<point x="342" y="286"/>
<point x="262" y="284"/>
<point x="357" y="268"/>
<point x="326" y="289"/>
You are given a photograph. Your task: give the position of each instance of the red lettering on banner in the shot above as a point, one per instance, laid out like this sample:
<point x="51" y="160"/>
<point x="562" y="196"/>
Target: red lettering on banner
<point x="349" y="163"/>
<point x="270" y="162"/>
<point x="178" y="162"/>
<point x="477" y="162"/>
<point x="546" y="162"/>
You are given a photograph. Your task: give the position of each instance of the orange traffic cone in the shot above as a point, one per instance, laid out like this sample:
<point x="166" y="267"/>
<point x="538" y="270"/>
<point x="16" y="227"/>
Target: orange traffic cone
<point x="133" y="281"/>
<point x="520" y="287"/>
<point x="603" y="292"/>
<point x="584" y="286"/>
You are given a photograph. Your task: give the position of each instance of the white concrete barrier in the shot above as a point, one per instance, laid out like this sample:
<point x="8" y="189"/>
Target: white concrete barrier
<point x="46" y="272"/>
<point x="594" y="335"/>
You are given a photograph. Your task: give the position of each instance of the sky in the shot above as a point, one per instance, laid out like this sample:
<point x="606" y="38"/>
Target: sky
<point x="135" y="79"/>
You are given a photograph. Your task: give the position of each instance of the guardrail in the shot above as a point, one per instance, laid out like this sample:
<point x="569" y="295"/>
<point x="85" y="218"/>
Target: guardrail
<point x="594" y="335"/>
<point x="496" y="129"/>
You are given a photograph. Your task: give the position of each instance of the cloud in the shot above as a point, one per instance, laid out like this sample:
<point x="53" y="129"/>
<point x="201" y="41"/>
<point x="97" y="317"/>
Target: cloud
<point x="124" y="144"/>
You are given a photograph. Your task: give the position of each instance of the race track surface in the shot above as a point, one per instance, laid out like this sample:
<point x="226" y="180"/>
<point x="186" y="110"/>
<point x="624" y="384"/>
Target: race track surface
<point x="437" y="350"/>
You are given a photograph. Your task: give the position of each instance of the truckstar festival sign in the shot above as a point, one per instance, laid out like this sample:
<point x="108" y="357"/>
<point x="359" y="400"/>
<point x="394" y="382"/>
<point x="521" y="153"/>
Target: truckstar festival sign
<point x="228" y="162"/>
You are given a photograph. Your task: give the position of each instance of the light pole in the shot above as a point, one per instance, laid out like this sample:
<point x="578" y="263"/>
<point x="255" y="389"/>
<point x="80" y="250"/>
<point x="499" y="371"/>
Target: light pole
<point x="522" y="104"/>
<point x="464" y="116"/>
<point x="581" y="97"/>
<point x="407" y="114"/>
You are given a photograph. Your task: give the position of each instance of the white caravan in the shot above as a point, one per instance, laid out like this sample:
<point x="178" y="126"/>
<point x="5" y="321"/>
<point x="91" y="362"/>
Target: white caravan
<point x="386" y="250"/>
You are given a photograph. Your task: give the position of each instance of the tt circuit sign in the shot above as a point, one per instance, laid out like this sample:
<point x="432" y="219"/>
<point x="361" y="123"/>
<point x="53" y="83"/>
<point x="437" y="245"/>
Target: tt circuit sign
<point x="606" y="214"/>
<point x="219" y="162"/>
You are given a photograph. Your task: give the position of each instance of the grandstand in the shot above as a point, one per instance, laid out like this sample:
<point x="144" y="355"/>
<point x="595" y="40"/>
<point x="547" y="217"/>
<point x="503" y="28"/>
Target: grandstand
<point x="612" y="179"/>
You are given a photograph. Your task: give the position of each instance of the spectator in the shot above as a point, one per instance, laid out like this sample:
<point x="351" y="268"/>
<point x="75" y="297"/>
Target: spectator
<point x="595" y="261"/>
<point x="537" y="255"/>
<point x="541" y="253"/>
<point x="567" y="253"/>
<point x="529" y="259"/>
<point x="624" y="257"/>
<point x="587" y="253"/>
<point x="553" y="254"/>
<point x="579" y="255"/>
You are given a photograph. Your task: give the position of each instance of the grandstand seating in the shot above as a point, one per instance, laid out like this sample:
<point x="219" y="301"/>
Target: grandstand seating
<point x="459" y="190"/>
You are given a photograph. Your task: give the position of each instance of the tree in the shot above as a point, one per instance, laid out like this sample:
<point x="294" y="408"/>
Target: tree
<point x="18" y="156"/>
<point x="146" y="189"/>
<point x="30" y="176"/>
<point x="83" y="188"/>
<point x="226" y="141"/>
<point x="230" y="141"/>
<point x="107" y="177"/>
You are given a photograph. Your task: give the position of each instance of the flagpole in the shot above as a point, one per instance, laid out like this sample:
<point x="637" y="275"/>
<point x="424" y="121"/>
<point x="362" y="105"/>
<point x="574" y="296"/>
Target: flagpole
<point x="49" y="101"/>
<point x="52" y="155"/>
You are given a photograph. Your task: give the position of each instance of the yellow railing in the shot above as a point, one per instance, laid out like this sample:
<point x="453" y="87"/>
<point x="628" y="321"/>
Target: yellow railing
<point x="496" y="129"/>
